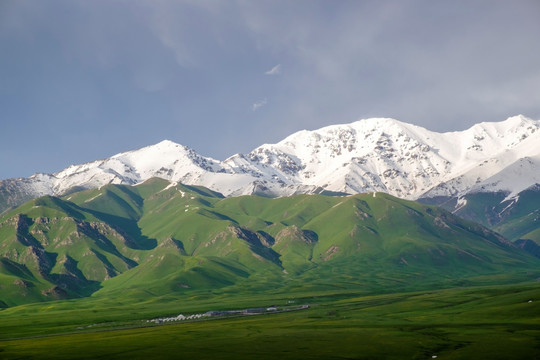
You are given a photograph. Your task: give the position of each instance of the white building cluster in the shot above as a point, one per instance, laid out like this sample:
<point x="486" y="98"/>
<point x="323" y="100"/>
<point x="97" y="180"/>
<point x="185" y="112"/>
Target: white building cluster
<point x="180" y="317"/>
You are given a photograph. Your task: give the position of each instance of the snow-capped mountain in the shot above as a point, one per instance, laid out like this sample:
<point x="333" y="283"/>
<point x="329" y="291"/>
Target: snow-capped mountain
<point x="401" y="159"/>
<point x="369" y="155"/>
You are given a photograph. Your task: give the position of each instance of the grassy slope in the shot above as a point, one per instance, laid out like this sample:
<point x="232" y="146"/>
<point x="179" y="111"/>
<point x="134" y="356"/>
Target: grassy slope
<point x="513" y="219"/>
<point x="160" y="238"/>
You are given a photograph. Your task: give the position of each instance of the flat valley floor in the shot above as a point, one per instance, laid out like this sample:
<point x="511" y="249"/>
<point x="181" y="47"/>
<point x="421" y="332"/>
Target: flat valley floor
<point x="493" y="322"/>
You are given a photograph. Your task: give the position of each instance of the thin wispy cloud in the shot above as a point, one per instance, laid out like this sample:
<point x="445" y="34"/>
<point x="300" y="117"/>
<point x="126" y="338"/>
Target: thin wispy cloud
<point x="276" y="70"/>
<point x="259" y="104"/>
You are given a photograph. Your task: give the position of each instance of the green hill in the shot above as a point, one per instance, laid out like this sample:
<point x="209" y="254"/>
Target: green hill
<point x="158" y="239"/>
<point x="516" y="218"/>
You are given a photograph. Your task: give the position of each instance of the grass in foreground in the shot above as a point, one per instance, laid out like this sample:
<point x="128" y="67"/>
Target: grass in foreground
<point x="482" y="323"/>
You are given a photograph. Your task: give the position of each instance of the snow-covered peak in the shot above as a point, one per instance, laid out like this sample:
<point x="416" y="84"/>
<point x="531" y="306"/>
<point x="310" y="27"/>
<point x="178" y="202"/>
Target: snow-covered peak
<point x="164" y="148"/>
<point x="165" y="159"/>
<point x="514" y="178"/>
<point x="377" y="154"/>
<point x="167" y="143"/>
<point x="383" y="154"/>
<point x="509" y="132"/>
<point x="511" y="123"/>
<point x="168" y="153"/>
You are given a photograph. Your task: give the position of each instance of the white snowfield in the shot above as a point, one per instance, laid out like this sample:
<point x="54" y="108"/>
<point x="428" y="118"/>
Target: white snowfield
<point x="369" y="155"/>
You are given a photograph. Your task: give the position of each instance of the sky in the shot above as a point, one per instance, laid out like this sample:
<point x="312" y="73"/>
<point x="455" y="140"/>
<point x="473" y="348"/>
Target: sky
<point x="84" y="80"/>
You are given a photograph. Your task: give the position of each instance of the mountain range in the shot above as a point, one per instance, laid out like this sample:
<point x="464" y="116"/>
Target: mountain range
<point x="160" y="238"/>
<point x="373" y="205"/>
<point x="372" y="155"/>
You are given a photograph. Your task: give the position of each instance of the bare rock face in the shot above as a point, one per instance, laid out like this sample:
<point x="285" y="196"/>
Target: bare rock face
<point x="21" y="283"/>
<point x="295" y="233"/>
<point x="56" y="293"/>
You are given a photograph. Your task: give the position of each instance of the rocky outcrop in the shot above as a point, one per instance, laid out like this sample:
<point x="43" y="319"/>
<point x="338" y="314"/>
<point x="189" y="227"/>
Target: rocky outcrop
<point x="295" y="233"/>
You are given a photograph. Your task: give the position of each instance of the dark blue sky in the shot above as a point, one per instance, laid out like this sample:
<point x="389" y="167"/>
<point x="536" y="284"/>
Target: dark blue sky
<point x="83" y="80"/>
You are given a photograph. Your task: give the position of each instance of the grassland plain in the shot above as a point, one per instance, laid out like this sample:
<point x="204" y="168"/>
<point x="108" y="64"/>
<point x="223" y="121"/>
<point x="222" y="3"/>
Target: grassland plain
<point x="493" y="322"/>
<point x="385" y="278"/>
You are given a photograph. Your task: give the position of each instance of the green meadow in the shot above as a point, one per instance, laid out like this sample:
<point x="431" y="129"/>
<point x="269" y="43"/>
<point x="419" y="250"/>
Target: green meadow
<point x="492" y="322"/>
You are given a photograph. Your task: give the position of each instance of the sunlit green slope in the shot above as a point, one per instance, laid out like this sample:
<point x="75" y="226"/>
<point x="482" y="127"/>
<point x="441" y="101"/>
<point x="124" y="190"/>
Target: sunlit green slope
<point x="159" y="238"/>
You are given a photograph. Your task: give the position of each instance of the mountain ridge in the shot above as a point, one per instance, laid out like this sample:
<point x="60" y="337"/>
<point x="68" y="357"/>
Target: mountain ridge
<point x="369" y="155"/>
